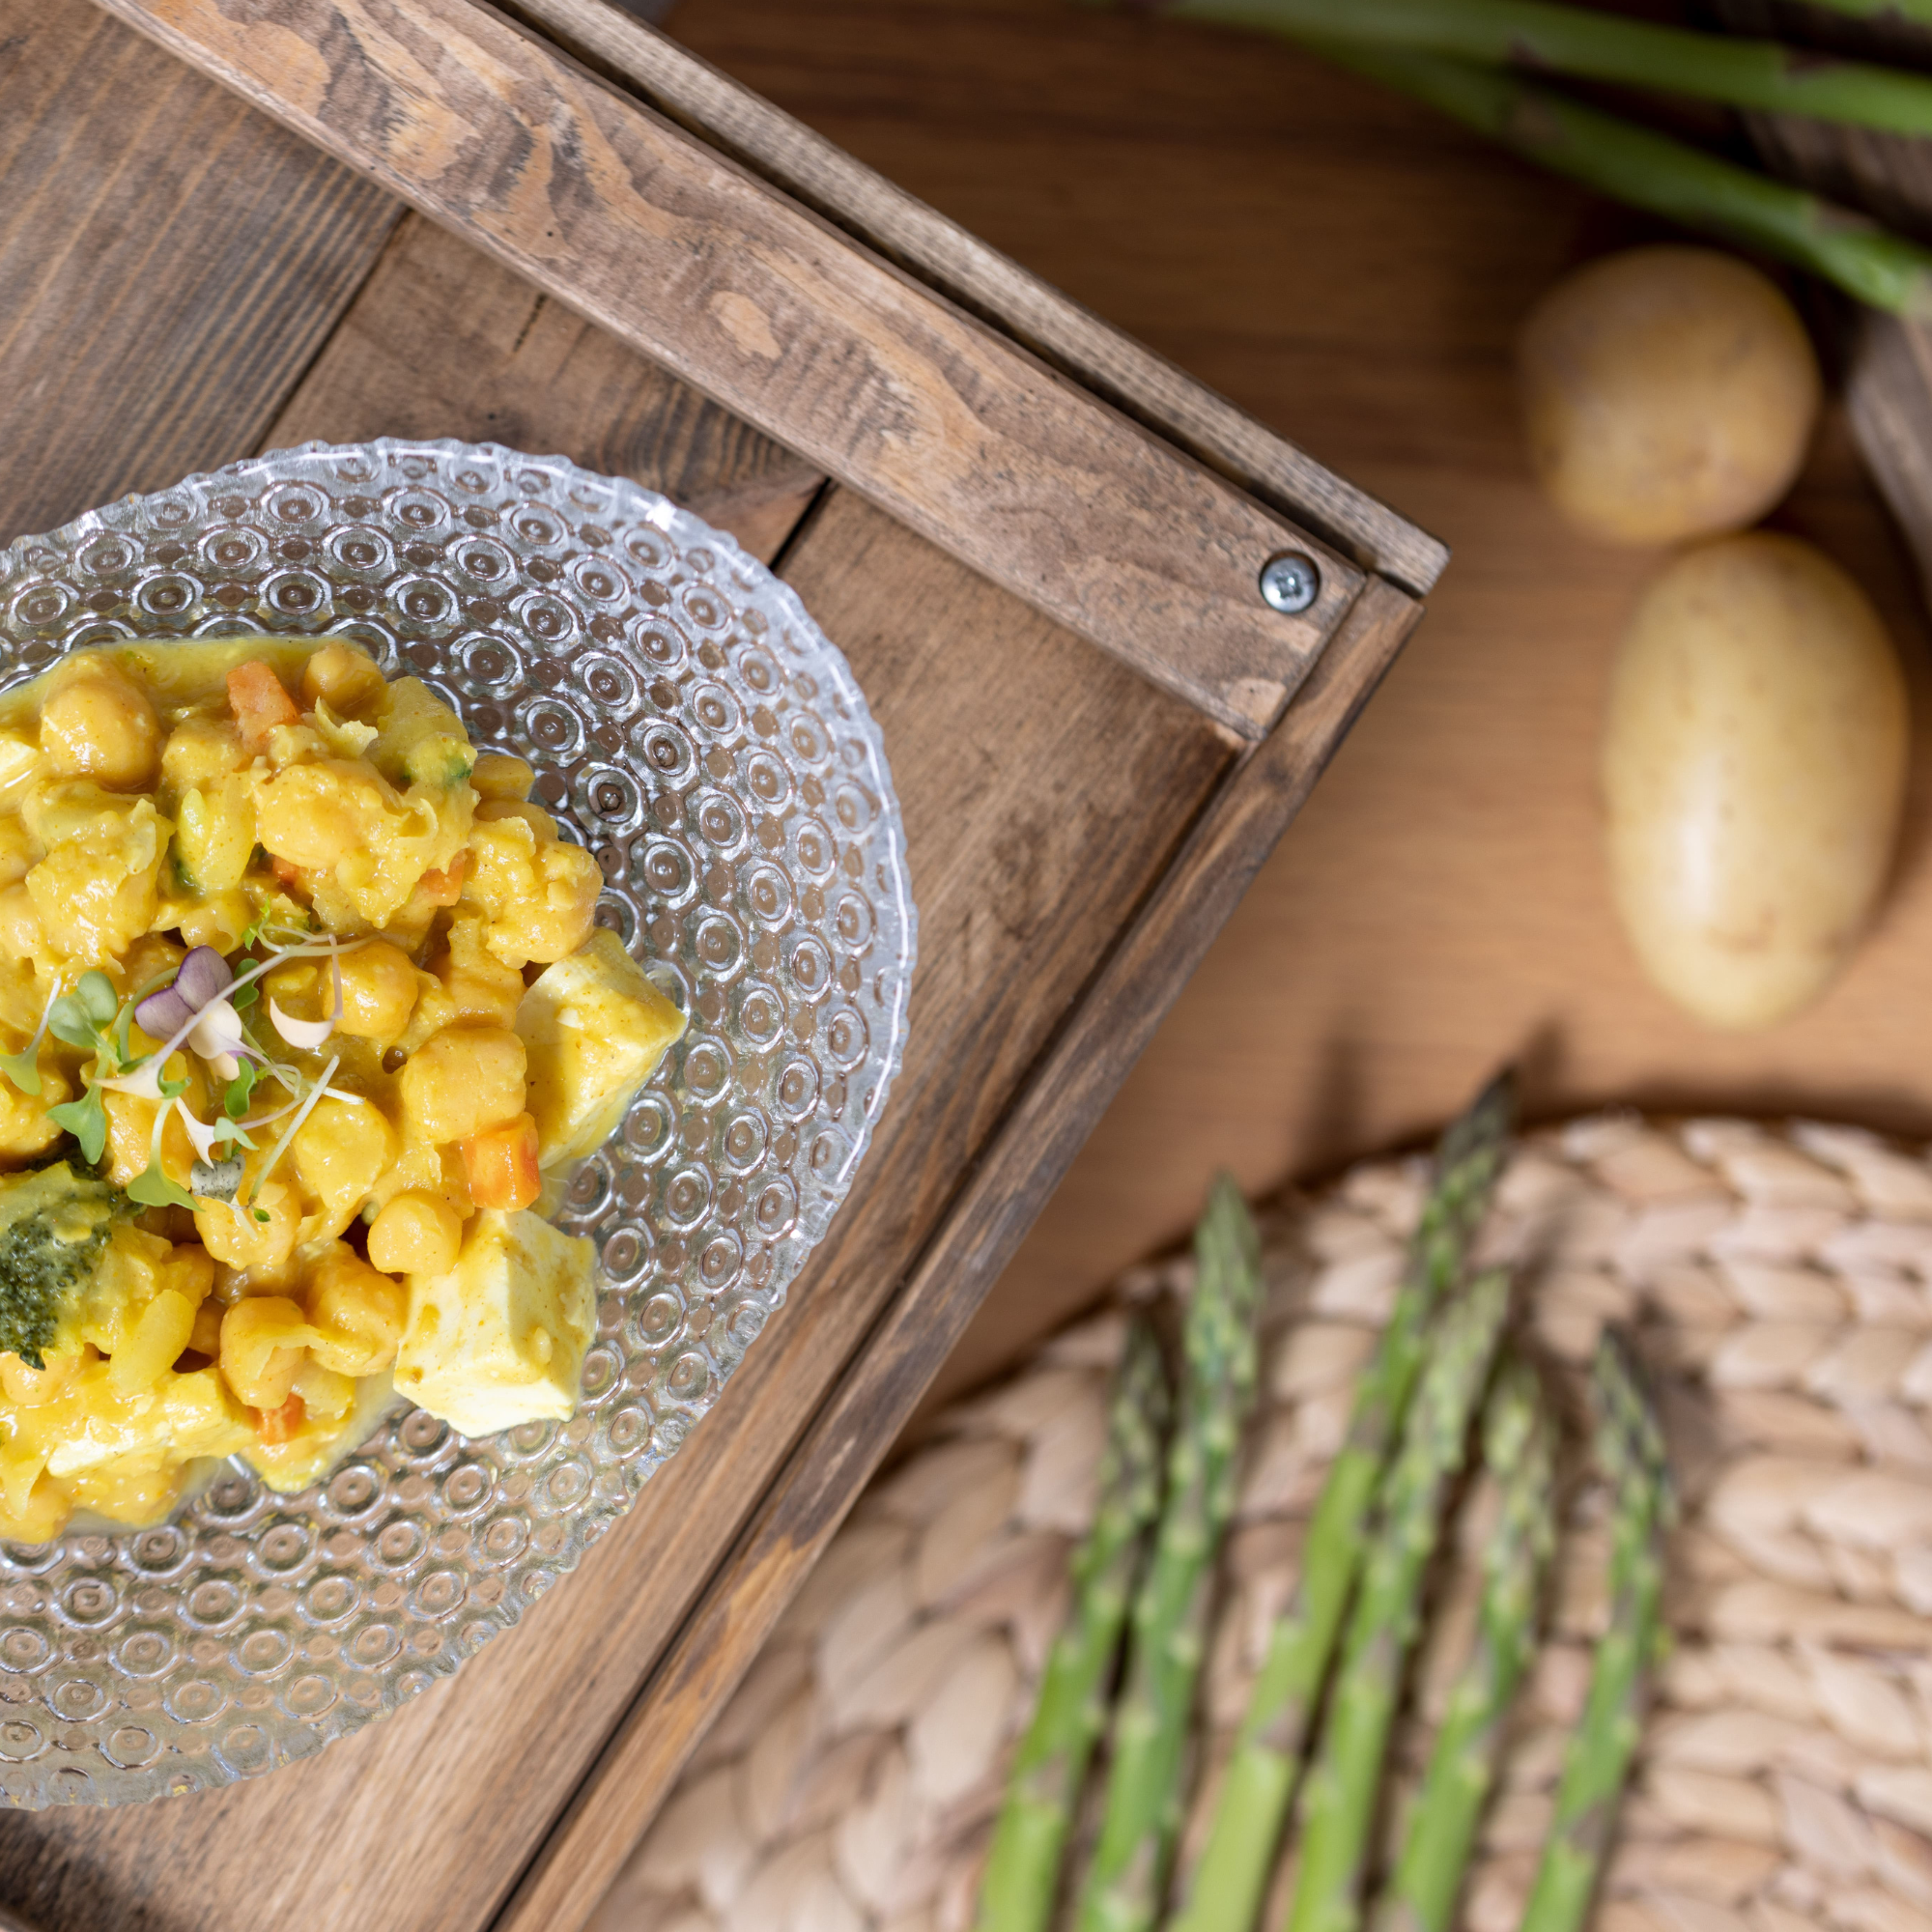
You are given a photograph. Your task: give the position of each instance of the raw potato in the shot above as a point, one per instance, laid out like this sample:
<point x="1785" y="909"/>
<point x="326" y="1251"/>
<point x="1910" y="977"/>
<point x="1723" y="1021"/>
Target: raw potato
<point x="1753" y="767"/>
<point x="1667" y="393"/>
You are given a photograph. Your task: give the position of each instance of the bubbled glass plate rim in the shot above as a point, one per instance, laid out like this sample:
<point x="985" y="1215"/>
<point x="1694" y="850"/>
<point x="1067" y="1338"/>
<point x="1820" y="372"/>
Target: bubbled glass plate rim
<point x="692" y="726"/>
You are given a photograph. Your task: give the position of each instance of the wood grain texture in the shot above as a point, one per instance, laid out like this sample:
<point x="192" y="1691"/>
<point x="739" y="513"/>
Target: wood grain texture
<point x="646" y="231"/>
<point x="1045" y="790"/>
<point x="992" y="285"/>
<point x="170" y="261"/>
<point x="1442" y="903"/>
<point x="877" y="1394"/>
<point x="515" y="367"/>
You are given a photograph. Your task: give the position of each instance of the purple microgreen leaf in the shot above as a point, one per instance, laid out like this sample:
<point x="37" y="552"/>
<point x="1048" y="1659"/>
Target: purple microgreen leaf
<point x="160" y="1013"/>
<point x="204" y="975"/>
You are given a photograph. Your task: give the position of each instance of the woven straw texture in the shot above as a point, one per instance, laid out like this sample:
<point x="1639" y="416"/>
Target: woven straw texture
<point x="1779" y="1283"/>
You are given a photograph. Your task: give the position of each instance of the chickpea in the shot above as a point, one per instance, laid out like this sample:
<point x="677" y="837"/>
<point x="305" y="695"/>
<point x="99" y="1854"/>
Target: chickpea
<point x="341" y="1153"/>
<point x="379" y="991"/>
<point x="262" y="1337"/>
<point x="25" y="1129"/>
<point x="149" y="957"/>
<point x="218" y="921"/>
<point x="480" y="986"/>
<point x="99" y="724"/>
<point x="244" y="1242"/>
<point x="416" y="1233"/>
<point x="28" y="1387"/>
<point x="464" y="1080"/>
<point x="201" y="752"/>
<point x="358" y="1314"/>
<point x="315" y="815"/>
<point x="346" y="680"/>
<point x="497" y="774"/>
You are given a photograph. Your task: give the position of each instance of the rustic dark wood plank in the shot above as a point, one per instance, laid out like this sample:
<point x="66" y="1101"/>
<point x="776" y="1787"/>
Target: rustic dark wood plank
<point x="171" y="260"/>
<point x="1045" y="790"/>
<point x="641" y="228"/>
<point x="993" y="286"/>
<point x="877" y="1394"/>
<point x="513" y="366"/>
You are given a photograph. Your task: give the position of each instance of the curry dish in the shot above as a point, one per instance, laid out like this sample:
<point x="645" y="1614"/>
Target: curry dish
<point x="305" y="1019"/>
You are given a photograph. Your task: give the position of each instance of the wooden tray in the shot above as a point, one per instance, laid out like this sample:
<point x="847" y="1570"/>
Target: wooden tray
<point x="1039" y="546"/>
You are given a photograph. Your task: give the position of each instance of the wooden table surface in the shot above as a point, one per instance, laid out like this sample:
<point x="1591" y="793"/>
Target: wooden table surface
<point x="1351" y="270"/>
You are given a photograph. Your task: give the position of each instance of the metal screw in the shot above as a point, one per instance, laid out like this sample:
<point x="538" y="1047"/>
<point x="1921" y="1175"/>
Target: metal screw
<point x="1290" y="582"/>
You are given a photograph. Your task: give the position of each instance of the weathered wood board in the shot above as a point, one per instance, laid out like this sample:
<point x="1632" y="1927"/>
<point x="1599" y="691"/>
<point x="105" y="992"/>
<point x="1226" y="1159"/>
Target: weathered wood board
<point x="1077" y="833"/>
<point x="651" y="233"/>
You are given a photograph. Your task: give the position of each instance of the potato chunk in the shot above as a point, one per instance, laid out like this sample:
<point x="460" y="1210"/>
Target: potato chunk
<point x="595" y="1029"/>
<point x="501" y="1338"/>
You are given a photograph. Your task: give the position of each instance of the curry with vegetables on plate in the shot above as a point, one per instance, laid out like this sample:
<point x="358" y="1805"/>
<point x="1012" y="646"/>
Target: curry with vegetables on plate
<point x="305" y="1019"/>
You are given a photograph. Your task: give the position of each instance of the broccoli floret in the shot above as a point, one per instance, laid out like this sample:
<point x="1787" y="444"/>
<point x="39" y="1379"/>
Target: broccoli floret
<point x="54" y="1223"/>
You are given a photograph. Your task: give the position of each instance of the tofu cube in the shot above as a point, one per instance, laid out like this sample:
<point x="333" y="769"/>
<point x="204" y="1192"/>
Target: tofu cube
<point x="501" y="1338"/>
<point x="594" y="1029"/>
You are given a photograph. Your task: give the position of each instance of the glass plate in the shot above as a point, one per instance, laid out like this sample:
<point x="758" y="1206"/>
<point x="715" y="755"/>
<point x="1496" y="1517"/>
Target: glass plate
<point x="693" y="728"/>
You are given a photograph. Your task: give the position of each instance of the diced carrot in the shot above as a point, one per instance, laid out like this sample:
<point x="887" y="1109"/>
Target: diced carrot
<point x="260" y="702"/>
<point x="279" y="1425"/>
<point x="501" y="1164"/>
<point x="444" y="888"/>
<point x="286" y="873"/>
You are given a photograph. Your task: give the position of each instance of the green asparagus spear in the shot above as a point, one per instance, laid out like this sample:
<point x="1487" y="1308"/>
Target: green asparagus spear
<point x="1228" y="1883"/>
<point x="1555" y="39"/>
<point x="1023" y="1867"/>
<point x="1141" y="1814"/>
<point x="1346" y="1777"/>
<point x="1598" y="1759"/>
<point x="1651" y="171"/>
<point x="1518" y="1450"/>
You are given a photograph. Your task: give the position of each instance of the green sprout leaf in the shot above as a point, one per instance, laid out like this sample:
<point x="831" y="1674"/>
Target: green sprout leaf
<point x="95" y="993"/>
<point x="86" y="1120"/>
<point x="235" y="1101"/>
<point x="261" y="1213"/>
<point x="68" y="1020"/>
<point x="246" y="996"/>
<point x="152" y="1188"/>
<point x="23" y="1068"/>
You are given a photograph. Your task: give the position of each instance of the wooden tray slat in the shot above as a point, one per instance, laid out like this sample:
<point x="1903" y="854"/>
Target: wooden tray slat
<point x="650" y="233"/>
<point x="872" y="1400"/>
<point x="517" y="368"/>
<point x="994" y="287"/>
<point x="165" y="287"/>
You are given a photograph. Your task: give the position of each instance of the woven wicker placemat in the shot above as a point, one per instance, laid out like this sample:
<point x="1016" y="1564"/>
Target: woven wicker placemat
<point x="1779" y="1282"/>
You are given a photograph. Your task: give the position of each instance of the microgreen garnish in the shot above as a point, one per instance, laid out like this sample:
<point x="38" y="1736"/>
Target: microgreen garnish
<point x="200" y="1006"/>
<point x="234" y="1102"/>
<point x="23" y="1068"/>
<point x="80" y="1016"/>
<point x="86" y="1120"/>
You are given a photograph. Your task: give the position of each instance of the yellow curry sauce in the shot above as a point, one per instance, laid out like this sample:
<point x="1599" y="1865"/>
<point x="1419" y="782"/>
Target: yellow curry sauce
<point x="303" y="1019"/>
